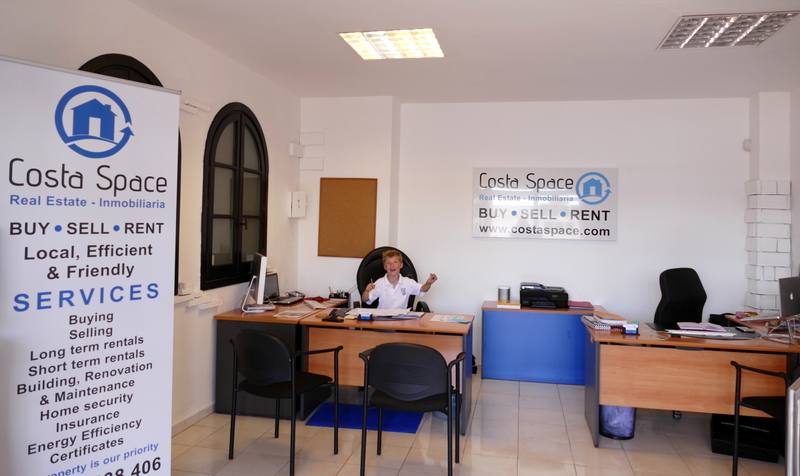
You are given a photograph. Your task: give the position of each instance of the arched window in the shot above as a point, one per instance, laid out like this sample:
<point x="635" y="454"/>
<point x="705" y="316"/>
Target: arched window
<point x="127" y="67"/>
<point x="234" y="197"/>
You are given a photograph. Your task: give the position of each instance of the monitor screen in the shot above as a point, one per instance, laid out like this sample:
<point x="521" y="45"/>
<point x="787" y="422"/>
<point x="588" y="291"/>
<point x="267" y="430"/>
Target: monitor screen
<point x="789" y="290"/>
<point x="257" y="283"/>
<point x="271" y="290"/>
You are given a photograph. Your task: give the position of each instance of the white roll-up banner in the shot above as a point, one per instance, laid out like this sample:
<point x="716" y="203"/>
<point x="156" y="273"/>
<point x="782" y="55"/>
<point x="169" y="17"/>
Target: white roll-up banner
<point x="87" y="256"/>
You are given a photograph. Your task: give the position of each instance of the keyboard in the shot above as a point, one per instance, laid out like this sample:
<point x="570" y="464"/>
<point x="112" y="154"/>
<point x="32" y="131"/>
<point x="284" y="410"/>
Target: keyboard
<point x="258" y="307"/>
<point x="681" y="332"/>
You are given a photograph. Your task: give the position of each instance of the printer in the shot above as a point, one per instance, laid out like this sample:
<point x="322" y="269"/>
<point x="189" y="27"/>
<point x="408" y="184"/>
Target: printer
<point x="536" y="295"/>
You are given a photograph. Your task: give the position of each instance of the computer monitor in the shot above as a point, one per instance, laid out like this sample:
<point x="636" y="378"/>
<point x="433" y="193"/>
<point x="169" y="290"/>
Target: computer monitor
<point x="789" y="291"/>
<point x="259" y="279"/>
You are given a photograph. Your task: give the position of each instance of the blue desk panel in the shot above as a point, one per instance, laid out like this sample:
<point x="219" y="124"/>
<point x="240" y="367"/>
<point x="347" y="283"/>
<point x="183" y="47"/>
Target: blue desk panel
<point x="533" y="345"/>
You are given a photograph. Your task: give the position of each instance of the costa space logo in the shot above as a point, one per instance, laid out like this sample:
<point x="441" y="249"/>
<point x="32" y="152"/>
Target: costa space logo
<point x="93" y="121"/>
<point x="593" y="188"/>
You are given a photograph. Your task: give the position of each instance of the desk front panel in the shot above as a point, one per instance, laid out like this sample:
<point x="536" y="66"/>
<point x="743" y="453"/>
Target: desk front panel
<point x="668" y="378"/>
<point x="351" y="367"/>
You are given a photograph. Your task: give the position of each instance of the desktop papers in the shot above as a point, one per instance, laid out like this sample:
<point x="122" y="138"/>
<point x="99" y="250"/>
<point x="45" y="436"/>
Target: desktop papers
<point x="701" y="326"/>
<point x="449" y="318"/>
<point x="392" y="313"/>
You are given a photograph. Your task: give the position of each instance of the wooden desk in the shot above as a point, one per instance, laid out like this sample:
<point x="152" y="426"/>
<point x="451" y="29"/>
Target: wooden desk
<point x="448" y="338"/>
<point x="676" y="373"/>
<point x="285" y="328"/>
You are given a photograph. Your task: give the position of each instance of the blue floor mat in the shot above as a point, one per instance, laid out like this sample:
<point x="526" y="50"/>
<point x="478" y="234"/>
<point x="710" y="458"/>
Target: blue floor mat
<point x="350" y="417"/>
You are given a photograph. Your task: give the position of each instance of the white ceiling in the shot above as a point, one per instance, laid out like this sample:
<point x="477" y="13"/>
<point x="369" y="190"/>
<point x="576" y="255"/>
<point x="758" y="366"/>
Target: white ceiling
<point x="495" y="50"/>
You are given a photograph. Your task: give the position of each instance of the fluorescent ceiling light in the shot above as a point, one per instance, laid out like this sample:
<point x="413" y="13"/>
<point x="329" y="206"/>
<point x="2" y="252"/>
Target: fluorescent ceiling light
<point x="394" y="44"/>
<point x="740" y="29"/>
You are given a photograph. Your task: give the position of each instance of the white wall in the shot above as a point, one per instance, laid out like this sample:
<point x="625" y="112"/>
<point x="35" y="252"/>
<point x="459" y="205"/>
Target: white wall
<point x="681" y="196"/>
<point x="67" y="34"/>
<point x="794" y="174"/>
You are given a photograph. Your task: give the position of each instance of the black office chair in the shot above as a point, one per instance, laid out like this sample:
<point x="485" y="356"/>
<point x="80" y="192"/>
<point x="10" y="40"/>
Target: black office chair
<point x="269" y="370"/>
<point x="682" y="300"/>
<point x="415" y="379"/>
<point x="682" y="297"/>
<point x="371" y="269"/>
<point x="774" y="406"/>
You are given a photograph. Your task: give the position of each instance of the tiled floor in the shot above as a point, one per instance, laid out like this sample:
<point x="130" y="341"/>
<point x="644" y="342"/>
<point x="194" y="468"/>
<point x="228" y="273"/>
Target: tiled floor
<point x="517" y="428"/>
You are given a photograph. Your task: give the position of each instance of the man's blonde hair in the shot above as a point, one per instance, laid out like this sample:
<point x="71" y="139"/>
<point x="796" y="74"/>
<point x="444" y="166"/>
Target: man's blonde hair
<point x="392" y="254"/>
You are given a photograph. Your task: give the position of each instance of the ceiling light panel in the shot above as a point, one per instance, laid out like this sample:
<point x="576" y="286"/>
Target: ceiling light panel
<point x="394" y="44"/>
<point x="741" y="29"/>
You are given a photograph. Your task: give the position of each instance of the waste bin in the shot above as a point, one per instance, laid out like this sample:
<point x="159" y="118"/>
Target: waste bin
<point x="617" y="422"/>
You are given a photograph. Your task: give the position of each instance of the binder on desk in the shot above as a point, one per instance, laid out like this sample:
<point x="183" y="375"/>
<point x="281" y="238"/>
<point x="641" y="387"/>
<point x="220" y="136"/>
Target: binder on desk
<point x="595" y="324"/>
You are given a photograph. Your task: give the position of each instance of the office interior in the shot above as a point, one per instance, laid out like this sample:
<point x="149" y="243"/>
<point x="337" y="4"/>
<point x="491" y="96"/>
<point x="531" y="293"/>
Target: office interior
<point x="681" y="163"/>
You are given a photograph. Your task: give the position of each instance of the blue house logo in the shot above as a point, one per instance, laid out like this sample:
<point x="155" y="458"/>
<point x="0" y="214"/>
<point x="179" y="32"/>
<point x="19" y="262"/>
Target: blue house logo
<point x="93" y="121"/>
<point x="593" y="188"/>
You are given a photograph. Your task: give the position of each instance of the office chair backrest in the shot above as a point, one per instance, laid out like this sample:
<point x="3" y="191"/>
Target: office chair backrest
<point x="682" y="297"/>
<point x="371" y="269"/>
<point x="408" y="371"/>
<point x="261" y="358"/>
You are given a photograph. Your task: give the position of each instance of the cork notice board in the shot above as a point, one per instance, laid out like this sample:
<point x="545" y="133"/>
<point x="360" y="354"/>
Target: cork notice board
<point x="347" y="208"/>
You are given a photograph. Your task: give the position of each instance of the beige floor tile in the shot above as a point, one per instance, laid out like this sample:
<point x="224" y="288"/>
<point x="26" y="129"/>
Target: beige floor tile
<point x="709" y="465"/>
<point x="175" y="472"/>
<point x="427" y="461"/>
<point x="571" y="392"/>
<point x="269" y="445"/>
<point x="178" y="450"/>
<point x="657" y="462"/>
<point x="504" y="387"/>
<point x="254" y="464"/>
<point x="541" y="403"/>
<point x="692" y="445"/>
<point x="492" y="427"/>
<point x="220" y="439"/>
<point x="391" y="457"/>
<point x="537" y="389"/>
<point x="307" y="467"/>
<point x="201" y="460"/>
<point x="762" y="468"/>
<point x="657" y="443"/>
<point x="498" y="399"/>
<point x="482" y="465"/>
<point x="497" y="412"/>
<point x="551" y="433"/>
<point x="545" y="452"/>
<point x="545" y="416"/>
<point x="320" y="448"/>
<point x="588" y="455"/>
<point x="355" y="470"/>
<point x="527" y="467"/>
<point x="504" y="446"/>
<point x="216" y="420"/>
<point x="597" y="471"/>
<point x="193" y="435"/>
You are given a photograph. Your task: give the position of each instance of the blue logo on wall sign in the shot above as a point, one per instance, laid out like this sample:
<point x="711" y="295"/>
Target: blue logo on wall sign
<point x="593" y="188"/>
<point x="91" y="115"/>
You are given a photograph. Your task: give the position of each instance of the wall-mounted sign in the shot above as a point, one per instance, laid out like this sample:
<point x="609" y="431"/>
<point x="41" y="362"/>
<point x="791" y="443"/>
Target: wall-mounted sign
<point x="563" y="204"/>
<point x="88" y="204"/>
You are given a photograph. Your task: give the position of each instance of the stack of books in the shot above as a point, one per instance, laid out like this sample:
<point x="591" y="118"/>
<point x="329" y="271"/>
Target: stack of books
<point x="607" y="321"/>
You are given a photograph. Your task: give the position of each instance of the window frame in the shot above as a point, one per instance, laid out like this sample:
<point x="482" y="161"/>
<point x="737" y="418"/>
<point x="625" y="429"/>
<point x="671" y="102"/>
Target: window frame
<point x="215" y="276"/>
<point x="127" y="67"/>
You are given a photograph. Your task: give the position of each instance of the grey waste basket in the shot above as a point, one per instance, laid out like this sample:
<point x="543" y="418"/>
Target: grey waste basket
<point x="617" y="422"/>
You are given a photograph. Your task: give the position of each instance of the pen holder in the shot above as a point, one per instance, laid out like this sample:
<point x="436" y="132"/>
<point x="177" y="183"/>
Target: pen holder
<point x="339" y="295"/>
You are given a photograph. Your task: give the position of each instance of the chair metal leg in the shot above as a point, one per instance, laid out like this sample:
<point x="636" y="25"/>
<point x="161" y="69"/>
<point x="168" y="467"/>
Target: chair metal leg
<point x="380" y="429"/>
<point x="336" y="418"/>
<point x="365" y="405"/>
<point x="450" y="411"/>
<point x="277" y="416"/>
<point x="233" y="424"/>
<point x="736" y="412"/>
<point x="458" y="425"/>
<point x="291" y="435"/>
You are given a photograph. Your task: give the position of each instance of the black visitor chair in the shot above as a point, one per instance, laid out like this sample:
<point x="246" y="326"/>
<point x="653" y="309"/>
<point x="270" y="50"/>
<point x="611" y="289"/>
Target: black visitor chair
<point x="270" y="370"/>
<point x="774" y="406"/>
<point x="415" y="379"/>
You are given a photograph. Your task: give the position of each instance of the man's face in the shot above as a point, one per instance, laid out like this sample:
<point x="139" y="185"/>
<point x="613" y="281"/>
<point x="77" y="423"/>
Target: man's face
<point x="392" y="266"/>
